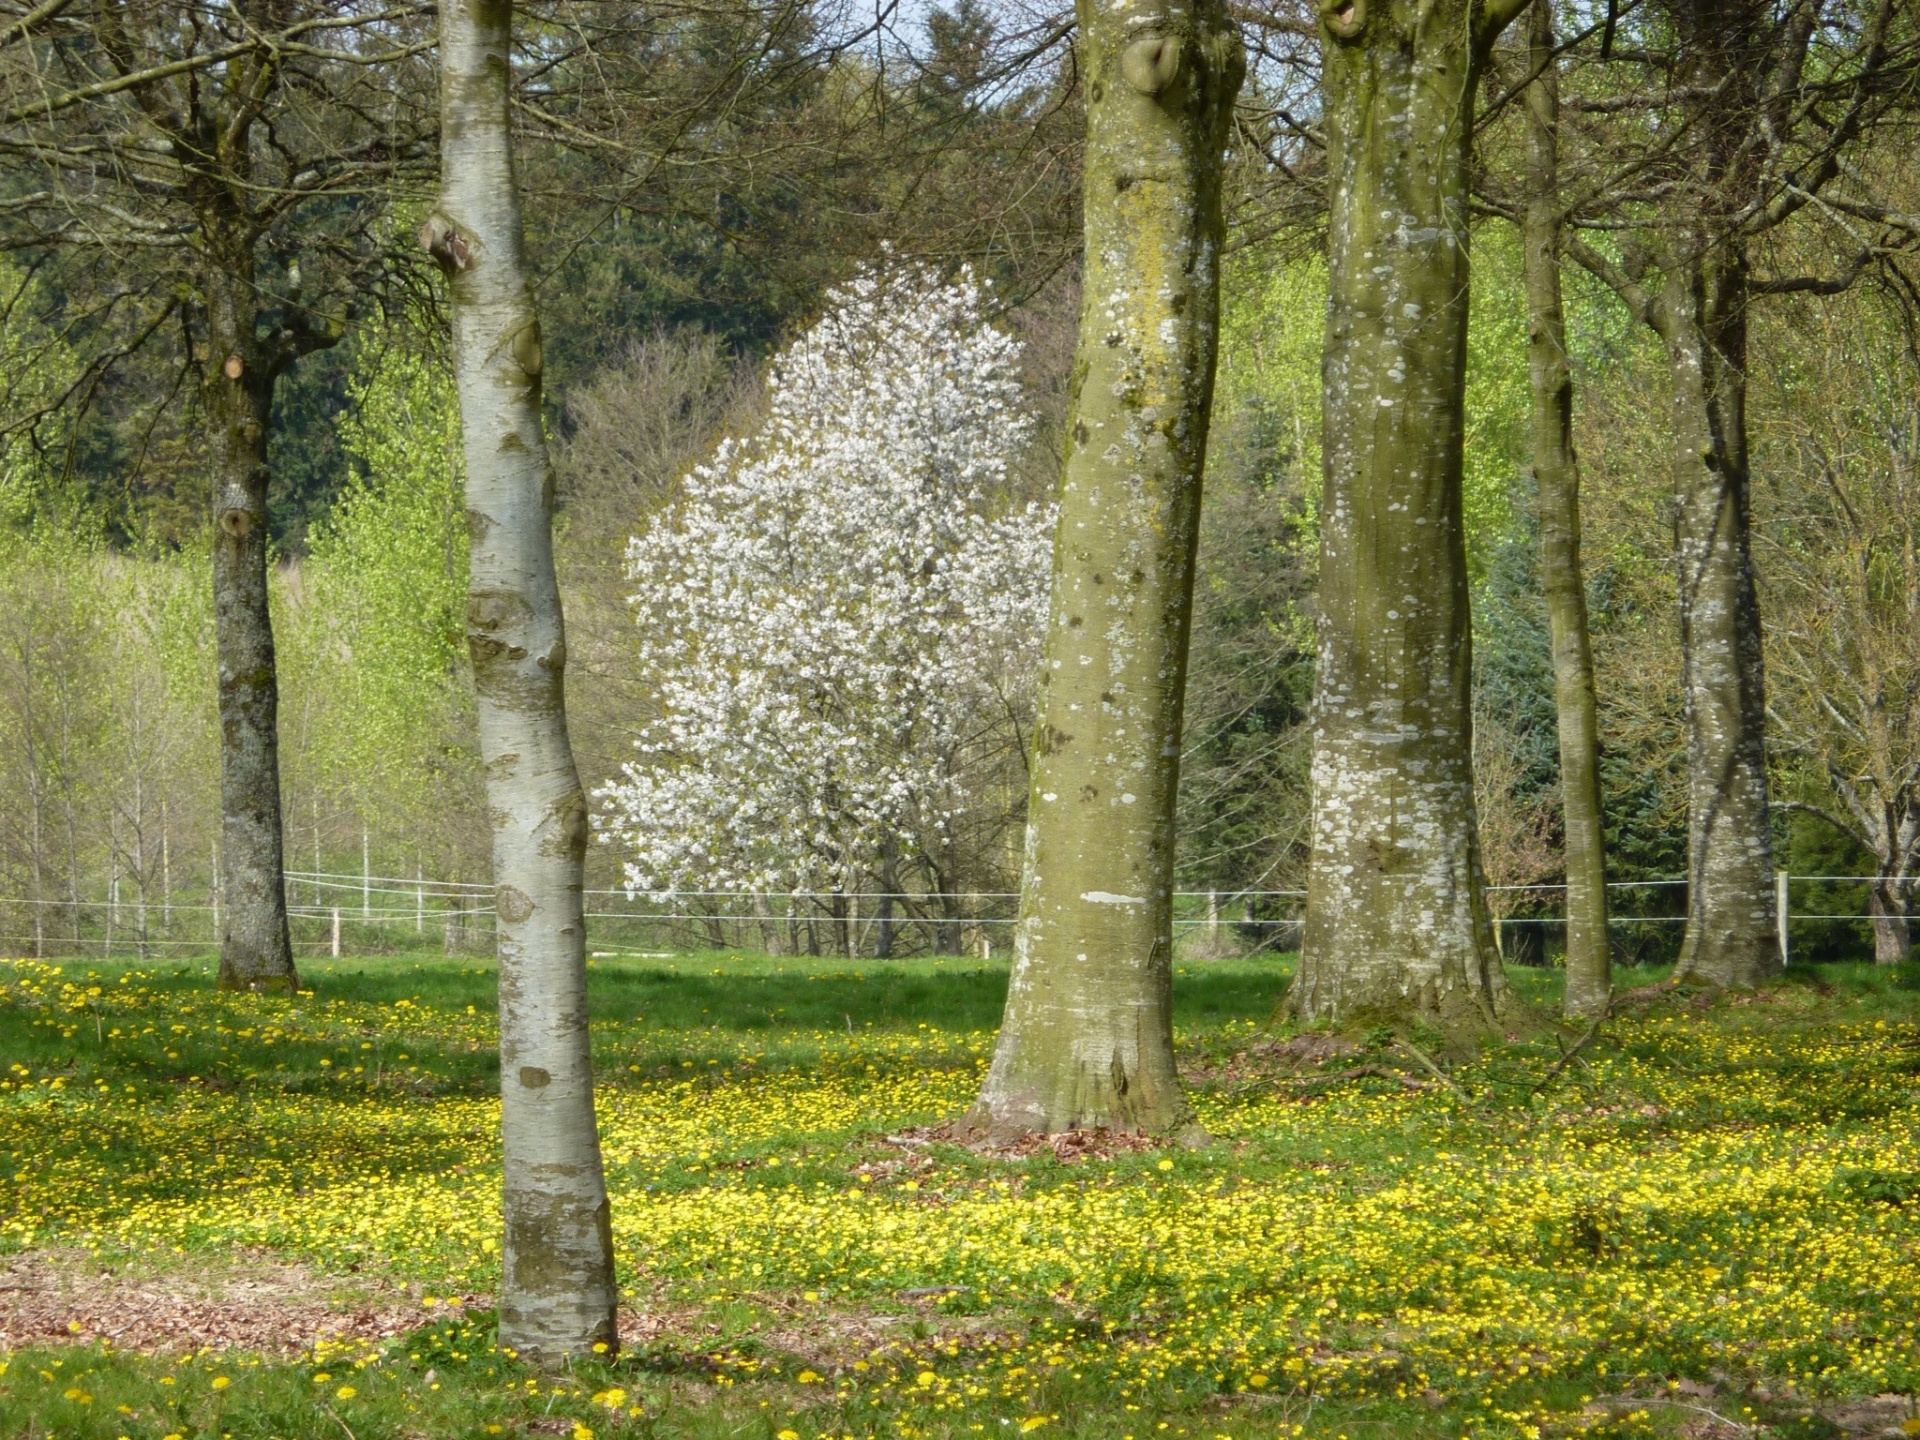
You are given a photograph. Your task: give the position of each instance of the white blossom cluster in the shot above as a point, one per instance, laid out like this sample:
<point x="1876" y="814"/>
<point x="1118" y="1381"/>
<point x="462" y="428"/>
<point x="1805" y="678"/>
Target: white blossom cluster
<point x="837" y="609"/>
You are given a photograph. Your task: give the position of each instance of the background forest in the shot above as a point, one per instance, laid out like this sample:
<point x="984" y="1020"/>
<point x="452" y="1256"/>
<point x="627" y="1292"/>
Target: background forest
<point x="695" y="183"/>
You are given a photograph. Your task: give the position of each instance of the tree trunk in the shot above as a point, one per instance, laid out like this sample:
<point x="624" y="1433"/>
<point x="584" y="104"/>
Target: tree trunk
<point x="1887" y="903"/>
<point x="1396" y="911"/>
<point x="255" y="950"/>
<point x="1087" y="1038"/>
<point x="557" y="1288"/>
<point x="770" y="937"/>
<point x="883" y="911"/>
<point x="1556" y="473"/>
<point x="1730" y="936"/>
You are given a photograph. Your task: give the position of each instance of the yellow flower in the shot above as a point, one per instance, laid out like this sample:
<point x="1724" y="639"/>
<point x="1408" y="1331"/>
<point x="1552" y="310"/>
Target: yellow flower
<point x="613" y="1399"/>
<point x="1032" y="1422"/>
<point x="1166" y="1165"/>
<point x="581" y="1432"/>
<point x="345" y="1392"/>
<point x="925" y="1378"/>
<point x="322" y="1378"/>
<point x="79" y="1395"/>
<point x="788" y="1435"/>
<point x="220" y="1382"/>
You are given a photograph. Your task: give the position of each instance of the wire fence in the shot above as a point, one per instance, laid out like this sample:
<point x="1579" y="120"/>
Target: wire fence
<point x="339" y="914"/>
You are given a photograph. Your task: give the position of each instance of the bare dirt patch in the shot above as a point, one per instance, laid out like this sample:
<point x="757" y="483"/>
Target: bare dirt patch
<point x="1070" y="1147"/>
<point x="255" y="1303"/>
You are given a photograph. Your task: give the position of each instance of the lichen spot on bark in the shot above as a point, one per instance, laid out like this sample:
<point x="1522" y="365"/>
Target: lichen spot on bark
<point x="532" y="1077"/>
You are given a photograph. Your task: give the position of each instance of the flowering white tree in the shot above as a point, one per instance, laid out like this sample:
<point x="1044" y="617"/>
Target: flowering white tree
<point x="841" y="614"/>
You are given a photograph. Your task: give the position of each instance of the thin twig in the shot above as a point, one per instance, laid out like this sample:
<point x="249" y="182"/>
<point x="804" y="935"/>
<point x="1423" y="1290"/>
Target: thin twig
<point x="1435" y="1071"/>
<point x="1568" y="1058"/>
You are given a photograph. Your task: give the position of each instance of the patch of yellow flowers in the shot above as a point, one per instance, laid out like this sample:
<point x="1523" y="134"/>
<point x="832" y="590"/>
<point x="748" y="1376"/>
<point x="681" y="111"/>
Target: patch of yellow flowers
<point x="1708" y="1198"/>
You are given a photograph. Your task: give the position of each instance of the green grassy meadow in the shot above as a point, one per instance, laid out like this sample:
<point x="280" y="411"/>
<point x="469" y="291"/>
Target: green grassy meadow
<point x="1703" y="1223"/>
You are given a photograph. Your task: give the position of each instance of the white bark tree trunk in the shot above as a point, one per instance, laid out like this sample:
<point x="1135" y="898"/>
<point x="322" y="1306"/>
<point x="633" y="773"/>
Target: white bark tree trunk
<point x="557" y="1289"/>
<point x="1396" y="911"/>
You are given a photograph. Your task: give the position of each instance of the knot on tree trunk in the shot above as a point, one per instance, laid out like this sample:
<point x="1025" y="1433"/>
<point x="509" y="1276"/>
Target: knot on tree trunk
<point x="442" y="239"/>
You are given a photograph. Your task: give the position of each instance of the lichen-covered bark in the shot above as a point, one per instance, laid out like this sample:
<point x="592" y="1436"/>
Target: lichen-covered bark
<point x="237" y="389"/>
<point x="1396" y="915"/>
<point x="1556" y="473"/>
<point x="1730" y="936"/>
<point x="557" y="1293"/>
<point x="1087" y="1038"/>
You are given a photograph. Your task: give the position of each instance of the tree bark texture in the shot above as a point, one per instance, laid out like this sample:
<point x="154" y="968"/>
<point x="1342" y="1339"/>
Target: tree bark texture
<point x="1730" y="936"/>
<point x="1087" y="1038"/>
<point x="557" y="1287"/>
<point x="1556" y="473"/>
<point x="1892" y="932"/>
<point x="1396" y="910"/>
<point x="255" y="950"/>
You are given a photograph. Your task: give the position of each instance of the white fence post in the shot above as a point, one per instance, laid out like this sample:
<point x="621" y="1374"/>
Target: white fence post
<point x="1780" y="912"/>
<point x="336" y="932"/>
<point x="419" y="899"/>
<point x="366" y="875"/>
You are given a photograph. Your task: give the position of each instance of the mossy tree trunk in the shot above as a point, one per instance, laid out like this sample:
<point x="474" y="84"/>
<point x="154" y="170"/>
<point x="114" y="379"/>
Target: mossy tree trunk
<point x="1087" y="1038"/>
<point x="557" y="1292"/>
<point x="1701" y="315"/>
<point x="237" y="388"/>
<point x="1396" y="911"/>
<point x="1556" y="473"/>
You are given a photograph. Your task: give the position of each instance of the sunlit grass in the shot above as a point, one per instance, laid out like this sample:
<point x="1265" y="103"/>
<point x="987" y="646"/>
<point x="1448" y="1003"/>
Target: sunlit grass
<point x="1703" y="1193"/>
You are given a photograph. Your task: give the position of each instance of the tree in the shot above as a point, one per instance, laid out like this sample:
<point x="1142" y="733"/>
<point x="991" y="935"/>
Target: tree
<point x="1087" y="1037"/>
<point x="557" y="1290"/>
<point x="1704" y="127"/>
<point x="1843" y="571"/>
<point x="837" y="615"/>
<point x="1396" y="914"/>
<point x="212" y="172"/>
<point x="1556" y="472"/>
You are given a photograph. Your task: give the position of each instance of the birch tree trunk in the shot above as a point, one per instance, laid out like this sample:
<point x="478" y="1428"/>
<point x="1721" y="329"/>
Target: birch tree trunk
<point x="557" y="1289"/>
<point x="1556" y="472"/>
<point x="255" y="950"/>
<point x="1087" y="1038"/>
<point x="1396" y="910"/>
<point x="1701" y="317"/>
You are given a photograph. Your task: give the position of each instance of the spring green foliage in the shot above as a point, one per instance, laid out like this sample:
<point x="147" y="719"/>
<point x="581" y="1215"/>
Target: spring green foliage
<point x="36" y="367"/>
<point x="386" y="585"/>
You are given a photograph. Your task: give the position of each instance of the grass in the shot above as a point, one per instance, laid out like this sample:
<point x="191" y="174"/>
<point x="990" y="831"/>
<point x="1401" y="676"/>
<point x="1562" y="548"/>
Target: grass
<point x="1708" y="1219"/>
